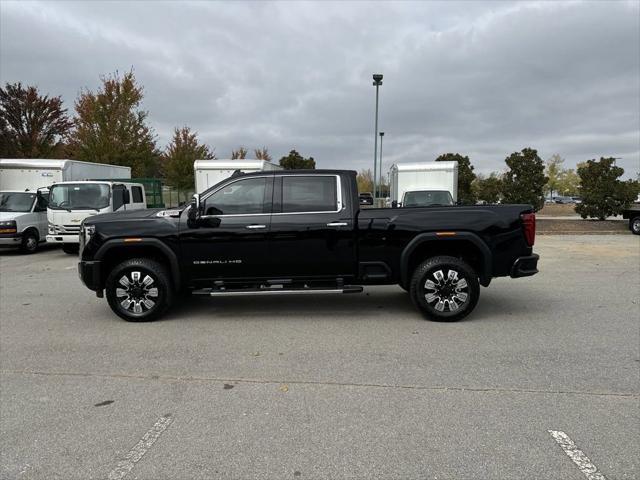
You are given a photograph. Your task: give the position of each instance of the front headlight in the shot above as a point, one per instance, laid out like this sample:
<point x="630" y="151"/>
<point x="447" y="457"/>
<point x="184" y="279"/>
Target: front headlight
<point x="8" y="226"/>
<point x="87" y="231"/>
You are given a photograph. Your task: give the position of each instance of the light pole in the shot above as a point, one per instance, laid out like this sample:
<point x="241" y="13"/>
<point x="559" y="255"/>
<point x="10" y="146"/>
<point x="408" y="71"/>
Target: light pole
<point x="380" y="171"/>
<point x="377" y="81"/>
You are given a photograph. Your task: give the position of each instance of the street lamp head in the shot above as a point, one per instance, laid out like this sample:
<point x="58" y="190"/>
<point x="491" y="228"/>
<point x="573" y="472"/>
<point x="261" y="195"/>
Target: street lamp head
<point x="382" y="134"/>
<point x="377" y="79"/>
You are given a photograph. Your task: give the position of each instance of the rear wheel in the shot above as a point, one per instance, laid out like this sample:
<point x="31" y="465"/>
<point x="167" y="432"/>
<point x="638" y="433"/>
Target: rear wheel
<point x="139" y="290"/>
<point x="445" y="289"/>
<point x="70" y="248"/>
<point x="29" y="242"/>
<point x="634" y="225"/>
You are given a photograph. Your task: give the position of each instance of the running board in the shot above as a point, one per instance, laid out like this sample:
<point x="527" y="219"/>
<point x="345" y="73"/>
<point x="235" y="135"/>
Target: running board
<point x="278" y="291"/>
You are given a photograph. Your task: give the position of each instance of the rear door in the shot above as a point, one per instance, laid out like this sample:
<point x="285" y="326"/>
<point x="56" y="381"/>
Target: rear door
<point x="312" y="231"/>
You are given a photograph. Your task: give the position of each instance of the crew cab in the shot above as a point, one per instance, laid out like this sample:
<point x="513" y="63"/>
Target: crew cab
<point x="302" y="232"/>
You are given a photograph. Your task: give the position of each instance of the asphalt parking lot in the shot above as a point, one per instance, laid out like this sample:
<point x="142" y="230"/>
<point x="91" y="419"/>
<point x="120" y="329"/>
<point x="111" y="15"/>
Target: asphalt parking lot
<point x="345" y="386"/>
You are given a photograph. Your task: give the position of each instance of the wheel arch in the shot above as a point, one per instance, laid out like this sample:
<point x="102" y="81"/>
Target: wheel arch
<point x="114" y="252"/>
<point x="465" y="245"/>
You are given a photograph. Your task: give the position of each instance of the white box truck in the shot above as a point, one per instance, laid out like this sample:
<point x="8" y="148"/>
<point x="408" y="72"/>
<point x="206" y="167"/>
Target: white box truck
<point x="209" y="172"/>
<point x="424" y="182"/>
<point x="24" y="195"/>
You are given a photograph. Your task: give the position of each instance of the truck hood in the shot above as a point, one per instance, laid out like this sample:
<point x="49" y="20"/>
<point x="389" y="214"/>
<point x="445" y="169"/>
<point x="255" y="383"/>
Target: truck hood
<point x="4" y="216"/>
<point x="128" y="215"/>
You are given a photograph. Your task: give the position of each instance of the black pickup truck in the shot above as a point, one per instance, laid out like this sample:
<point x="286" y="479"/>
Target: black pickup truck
<point x="302" y="232"/>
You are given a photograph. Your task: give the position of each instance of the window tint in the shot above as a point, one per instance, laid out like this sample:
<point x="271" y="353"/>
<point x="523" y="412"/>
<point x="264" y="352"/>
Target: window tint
<point x="309" y="194"/>
<point x="137" y="194"/>
<point x="241" y="197"/>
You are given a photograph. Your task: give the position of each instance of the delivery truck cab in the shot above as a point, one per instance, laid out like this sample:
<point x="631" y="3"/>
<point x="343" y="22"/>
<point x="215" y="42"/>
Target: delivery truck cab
<point x="23" y="219"/>
<point x="71" y="202"/>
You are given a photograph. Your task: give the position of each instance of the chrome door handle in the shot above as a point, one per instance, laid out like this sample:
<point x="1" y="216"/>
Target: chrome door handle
<point x="337" y="224"/>
<point x="255" y="227"/>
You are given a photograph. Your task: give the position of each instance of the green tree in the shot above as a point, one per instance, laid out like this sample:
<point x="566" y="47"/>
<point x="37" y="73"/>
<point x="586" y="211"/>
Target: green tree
<point x="262" y="154"/>
<point x="488" y="188"/>
<point x="365" y="181"/>
<point x="111" y="128"/>
<point x="568" y="182"/>
<point x="179" y="156"/>
<point x="295" y="161"/>
<point x="525" y="180"/>
<point x="466" y="176"/>
<point x="239" y="154"/>
<point x="553" y="170"/>
<point x="31" y="125"/>
<point x="603" y="193"/>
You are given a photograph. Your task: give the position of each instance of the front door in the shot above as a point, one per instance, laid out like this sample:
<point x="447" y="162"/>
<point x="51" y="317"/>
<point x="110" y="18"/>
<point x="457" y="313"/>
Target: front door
<point x="230" y="238"/>
<point x="312" y="231"/>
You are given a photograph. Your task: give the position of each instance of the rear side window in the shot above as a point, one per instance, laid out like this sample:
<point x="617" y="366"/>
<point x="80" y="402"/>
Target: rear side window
<point x="309" y="194"/>
<point x="137" y="194"/>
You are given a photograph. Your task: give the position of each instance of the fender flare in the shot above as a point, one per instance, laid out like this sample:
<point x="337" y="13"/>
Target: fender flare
<point x="174" y="266"/>
<point x="485" y="274"/>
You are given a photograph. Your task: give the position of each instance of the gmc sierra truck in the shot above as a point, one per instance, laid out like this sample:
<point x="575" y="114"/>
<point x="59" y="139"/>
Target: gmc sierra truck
<point x="302" y="232"/>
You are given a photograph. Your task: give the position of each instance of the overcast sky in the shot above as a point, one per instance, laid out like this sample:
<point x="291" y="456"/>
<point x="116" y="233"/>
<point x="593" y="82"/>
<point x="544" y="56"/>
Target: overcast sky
<point x="479" y="78"/>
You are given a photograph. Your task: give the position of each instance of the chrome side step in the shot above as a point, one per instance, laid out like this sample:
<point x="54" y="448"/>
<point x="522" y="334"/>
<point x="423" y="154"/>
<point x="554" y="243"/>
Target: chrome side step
<point x="278" y="291"/>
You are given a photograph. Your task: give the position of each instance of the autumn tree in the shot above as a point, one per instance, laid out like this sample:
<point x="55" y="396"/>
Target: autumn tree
<point x="365" y="181"/>
<point x="178" y="158"/>
<point x="568" y="182"/>
<point x="295" y="161"/>
<point x="525" y="180"/>
<point x="603" y="193"/>
<point x="239" y="154"/>
<point x="488" y="188"/>
<point x="465" y="176"/>
<point x="111" y="128"/>
<point x="31" y="125"/>
<point x="553" y="171"/>
<point x="262" y="154"/>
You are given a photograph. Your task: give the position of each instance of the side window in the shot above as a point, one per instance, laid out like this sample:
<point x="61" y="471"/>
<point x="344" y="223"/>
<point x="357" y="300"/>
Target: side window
<point x="118" y="196"/>
<point x="137" y="194"/>
<point x="241" y="197"/>
<point x="309" y="194"/>
<point x="41" y="203"/>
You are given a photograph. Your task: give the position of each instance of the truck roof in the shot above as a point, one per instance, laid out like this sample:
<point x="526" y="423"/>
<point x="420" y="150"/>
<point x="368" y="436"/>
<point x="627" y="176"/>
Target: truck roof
<point x="108" y="182"/>
<point x="51" y="163"/>
<point x="304" y="172"/>
<point x="423" y="166"/>
<point x="228" y="164"/>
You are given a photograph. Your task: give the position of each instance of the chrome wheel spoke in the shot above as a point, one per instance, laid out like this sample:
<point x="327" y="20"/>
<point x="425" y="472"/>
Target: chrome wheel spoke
<point x="461" y="296"/>
<point x="137" y="307"/>
<point x="440" y="306"/>
<point x="152" y="292"/>
<point x="124" y="281"/>
<point x="462" y="283"/>
<point x="135" y="276"/>
<point x="430" y="297"/>
<point x="453" y="275"/>
<point x="147" y="281"/>
<point x="453" y="305"/>
<point x="121" y="292"/>
<point x="438" y="275"/>
<point x="148" y="303"/>
<point x="429" y="285"/>
<point x="126" y="303"/>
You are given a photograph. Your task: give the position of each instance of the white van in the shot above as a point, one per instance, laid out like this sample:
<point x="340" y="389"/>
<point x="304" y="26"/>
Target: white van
<point x="23" y="219"/>
<point x="71" y="202"/>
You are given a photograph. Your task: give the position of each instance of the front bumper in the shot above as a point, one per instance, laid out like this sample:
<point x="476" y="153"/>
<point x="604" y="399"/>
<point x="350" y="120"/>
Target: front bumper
<point x="11" y="240"/>
<point x="89" y="273"/>
<point x="525" y="266"/>
<point x="64" y="238"/>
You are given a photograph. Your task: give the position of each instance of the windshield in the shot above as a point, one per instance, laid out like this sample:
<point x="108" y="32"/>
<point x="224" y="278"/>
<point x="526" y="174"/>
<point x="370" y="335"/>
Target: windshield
<point x="426" y="198"/>
<point x="79" y="196"/>
<point x="16" y="201"/>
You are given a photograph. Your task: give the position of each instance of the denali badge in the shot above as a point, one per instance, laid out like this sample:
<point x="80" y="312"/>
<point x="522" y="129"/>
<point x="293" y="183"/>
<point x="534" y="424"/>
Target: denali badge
<point x="215" y="262"/>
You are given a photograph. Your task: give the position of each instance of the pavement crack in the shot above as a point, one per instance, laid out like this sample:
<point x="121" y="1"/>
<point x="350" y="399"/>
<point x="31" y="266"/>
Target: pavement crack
<point x="435" y="388"/>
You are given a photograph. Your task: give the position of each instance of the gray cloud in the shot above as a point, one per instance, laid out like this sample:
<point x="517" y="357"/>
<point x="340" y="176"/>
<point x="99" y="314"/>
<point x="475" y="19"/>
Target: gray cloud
<point x="479" y="78"/>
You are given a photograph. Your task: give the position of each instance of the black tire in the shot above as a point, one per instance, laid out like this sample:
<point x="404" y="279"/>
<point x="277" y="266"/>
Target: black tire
<point x="137" y="290"/>
<point x="70" y="248"/>
<point x="455" y="294"/>
<point x="634" y="225"/>
<point x="29" y="242"/>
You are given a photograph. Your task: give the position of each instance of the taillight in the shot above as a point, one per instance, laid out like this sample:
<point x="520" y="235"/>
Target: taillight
<point x="529" y="227"/>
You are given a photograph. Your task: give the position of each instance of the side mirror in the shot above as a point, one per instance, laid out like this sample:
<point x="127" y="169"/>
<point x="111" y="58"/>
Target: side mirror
<point x="194" y="211"/>
<point x="394" y="204"/>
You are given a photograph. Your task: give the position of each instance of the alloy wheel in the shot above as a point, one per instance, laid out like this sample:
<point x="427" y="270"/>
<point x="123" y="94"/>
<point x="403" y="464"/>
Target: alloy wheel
<point x="137" y="294"/>
<point x="446" y="290"/>
<point x="636" y="225"/>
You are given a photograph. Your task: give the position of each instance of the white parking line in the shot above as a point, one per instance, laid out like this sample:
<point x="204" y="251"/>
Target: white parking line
<point x="577" y="456"/>
<point x="136" y="453"/>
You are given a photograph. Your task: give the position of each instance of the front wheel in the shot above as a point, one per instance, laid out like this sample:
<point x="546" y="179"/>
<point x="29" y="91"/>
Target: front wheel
<point x="634" y="225"/>
<point x="445" y="289"/>
<point x="139" y="290"/>
<point x="29" y="242"/>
